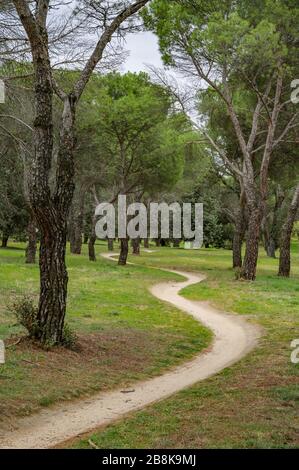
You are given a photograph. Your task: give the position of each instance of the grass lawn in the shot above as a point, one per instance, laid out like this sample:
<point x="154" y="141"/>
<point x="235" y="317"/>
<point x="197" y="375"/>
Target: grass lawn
<point x="125" y="334"/>
<point x="253" y="404"/>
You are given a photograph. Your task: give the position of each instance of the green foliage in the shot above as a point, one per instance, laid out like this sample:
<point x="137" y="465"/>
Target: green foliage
<point x="70" y="338"/>
<point x="25" y="312"/>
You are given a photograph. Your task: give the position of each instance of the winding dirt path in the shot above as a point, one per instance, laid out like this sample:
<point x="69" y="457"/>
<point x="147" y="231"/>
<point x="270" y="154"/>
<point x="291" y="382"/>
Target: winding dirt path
<point x="234" y="337"/>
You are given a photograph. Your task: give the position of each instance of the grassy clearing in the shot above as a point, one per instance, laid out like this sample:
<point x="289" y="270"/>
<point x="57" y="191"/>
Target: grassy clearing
<point x="125" y="334"/>
<point x="253" y="404"/>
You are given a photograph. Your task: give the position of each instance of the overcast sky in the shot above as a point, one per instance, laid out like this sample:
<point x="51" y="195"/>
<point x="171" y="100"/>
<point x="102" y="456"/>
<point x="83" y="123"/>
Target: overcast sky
<point x="144" y="50"/>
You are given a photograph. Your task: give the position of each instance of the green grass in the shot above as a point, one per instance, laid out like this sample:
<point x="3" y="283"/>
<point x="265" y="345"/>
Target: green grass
<point x="253" y="404"/>
<point x="125" y="334"/>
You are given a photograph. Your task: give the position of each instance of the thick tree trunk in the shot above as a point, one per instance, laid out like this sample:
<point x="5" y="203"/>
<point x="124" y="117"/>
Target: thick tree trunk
<point x="146" y="243"/>
<point x="53" y="286"/>
<point x="124" y="251"/>
<point x="136" y="246"/>
<point x="5" y="238"/>
<point x="32" y="242"/>
<point x="286" y="235"/>
<point x="252" y="245"/>
<point x="110" y="244"/>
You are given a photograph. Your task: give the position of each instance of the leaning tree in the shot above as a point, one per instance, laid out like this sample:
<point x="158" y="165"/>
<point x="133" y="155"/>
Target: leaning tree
<point x="245" y="55"/>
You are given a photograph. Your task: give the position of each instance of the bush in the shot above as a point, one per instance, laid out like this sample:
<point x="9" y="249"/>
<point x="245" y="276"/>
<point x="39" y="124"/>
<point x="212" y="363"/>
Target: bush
<point x="26" y="314"/>
<point x="69" y="339"/>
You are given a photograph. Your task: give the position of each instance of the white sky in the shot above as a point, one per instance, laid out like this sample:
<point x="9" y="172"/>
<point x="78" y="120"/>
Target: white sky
<point x="144" y="50"/>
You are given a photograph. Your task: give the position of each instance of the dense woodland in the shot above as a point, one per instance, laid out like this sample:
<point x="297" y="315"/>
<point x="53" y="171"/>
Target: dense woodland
<point x="218" y="125"/>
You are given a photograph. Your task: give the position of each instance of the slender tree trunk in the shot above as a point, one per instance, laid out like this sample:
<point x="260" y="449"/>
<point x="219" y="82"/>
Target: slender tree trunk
<point x="176" y="243"/>
<point x="32" y="242"/>
<point x="110" y="244"/>
<point x="124" y="251"/>
<point x="78" y="222"/>
<point x="85" y="238"/>
<point x="252" y="245"/>
<point x="286" y="235"/>
<point x="146" y="243"/>
<point x="239" y="233"/>
<point x="5" y="238"/>
<point x="158" y="242"/>
<point x="271" y="234"/>
<point x="237" y="247"/>
<point x="136" y="246"/>
<point x="92" y="240"/>
<point x="271" y="248"/>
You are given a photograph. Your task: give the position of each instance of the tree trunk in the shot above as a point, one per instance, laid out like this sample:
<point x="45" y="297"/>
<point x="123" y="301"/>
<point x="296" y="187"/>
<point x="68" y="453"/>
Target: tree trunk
<point x="32" y="242"/>
<point x="124" y="250"/>
<point x="271" y="248"/>
<point x="53" y="286"/>
<point x="136" y="246"/>
<point x="239" y="233"/>
<point x="110" y="244"/>
<point x="5" y="238"/>
<point x="92" y="241"/>
<point x="252" y="245"/>
<point x="51" y="213"/>
<point x="78" y="221"/>
<point x="286" y="235"/>
<point x="158" y="242"/>
<point x="176" y="243"/>
<point x="146" y="243"/>
<point x="272" y="234"/>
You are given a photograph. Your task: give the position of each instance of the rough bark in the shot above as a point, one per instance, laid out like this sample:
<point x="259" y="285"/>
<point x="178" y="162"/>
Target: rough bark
<point x="124" y="251"/>
<point x="30" y="255"/>
<point x="286" y="235"/>
<point x="146" y="243"/>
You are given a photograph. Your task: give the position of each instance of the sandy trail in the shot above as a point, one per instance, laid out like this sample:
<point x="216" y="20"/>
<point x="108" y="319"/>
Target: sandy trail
<point x="234" y="337"/>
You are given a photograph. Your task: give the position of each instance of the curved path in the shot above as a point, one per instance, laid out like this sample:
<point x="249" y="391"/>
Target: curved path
<point x="233" y="339"/>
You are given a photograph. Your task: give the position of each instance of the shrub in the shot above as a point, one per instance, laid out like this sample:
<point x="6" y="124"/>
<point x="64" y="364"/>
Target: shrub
<point x="26" y="313"/>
